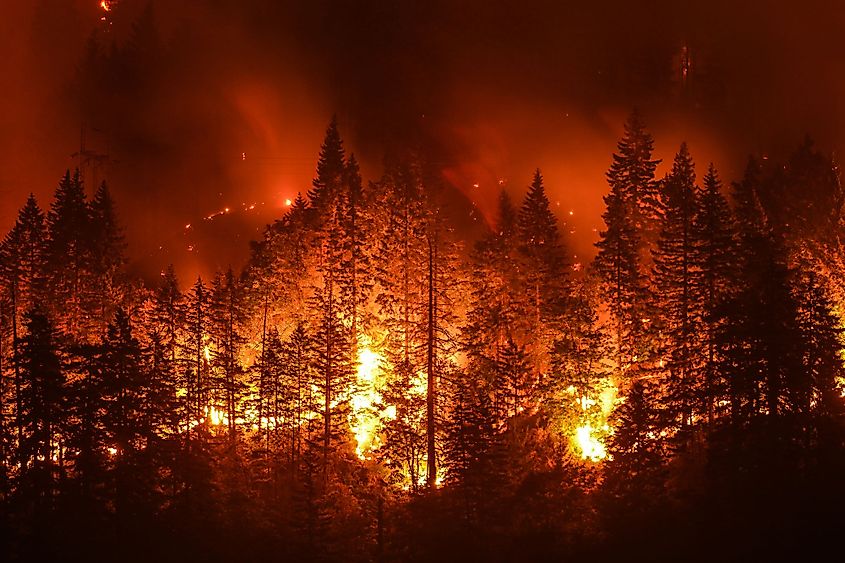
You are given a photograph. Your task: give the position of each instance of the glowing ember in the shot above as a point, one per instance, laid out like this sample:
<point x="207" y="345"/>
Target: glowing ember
<point x="105" y="5"/>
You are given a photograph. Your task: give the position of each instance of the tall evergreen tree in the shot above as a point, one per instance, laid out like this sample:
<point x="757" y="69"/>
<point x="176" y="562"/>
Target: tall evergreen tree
<point x="107" y="254"/>
<point x="197" y="351"/>
<point x="130" y="419"/>
<point x="544" y="270"/>
<point x="23" y="255"/>
<point x="69" y="256"/>
<point x="619" y="266"/>
<point x="635" y="474"/>
<point x="676" y="281"/>
<point x="228" y="316"/>
<point x="333" y="370"/>
<point x="41" y="409"/>
<point x="717" y="261"/>
<point x="331" y="173"/>
<point x="297" y="363"/>
<point x="22" y="271"/>
<point x="632" y="175"/>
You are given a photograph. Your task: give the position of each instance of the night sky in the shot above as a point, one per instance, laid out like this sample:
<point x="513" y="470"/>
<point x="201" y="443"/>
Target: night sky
<point x="231" y="107"/>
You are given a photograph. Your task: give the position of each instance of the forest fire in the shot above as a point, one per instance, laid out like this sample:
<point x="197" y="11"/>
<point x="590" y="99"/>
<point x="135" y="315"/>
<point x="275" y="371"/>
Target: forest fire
<point x="416" y="351"/>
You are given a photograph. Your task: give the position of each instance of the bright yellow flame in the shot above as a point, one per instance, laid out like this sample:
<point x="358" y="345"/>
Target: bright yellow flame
<point x="206" y="351"/>
<point x="589" y="444"/>
<point x="589" y="439"/>
<point x="112" y="451"/>
<point x="364" y="420"/>
<point x="215" y="417"/>
<point x="105" y="5"/>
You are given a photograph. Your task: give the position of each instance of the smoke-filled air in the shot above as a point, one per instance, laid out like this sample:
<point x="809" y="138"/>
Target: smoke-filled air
<point x="443" y="281"/>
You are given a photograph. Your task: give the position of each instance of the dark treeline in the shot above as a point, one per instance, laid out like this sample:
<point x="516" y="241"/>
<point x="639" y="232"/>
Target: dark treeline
<point x="371" y="387"/>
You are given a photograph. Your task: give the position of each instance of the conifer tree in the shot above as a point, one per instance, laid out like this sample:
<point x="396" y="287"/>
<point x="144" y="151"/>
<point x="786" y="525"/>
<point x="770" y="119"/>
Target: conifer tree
<point x="513" y="384"/>
<point x="493" y="312"/>
<point x="107" y="253"/>
<point x="717" y="261"/>
<point x="619" y="266"/>
<point x="544" y="270"/>
<point x="635" y="474"/>
<point x="580" y="364"/>
<point x="69" y="256"/>
<point x="197" y="354"/>
<point x="356" y="271"/>
<point x="623" y="259"/>
<point x="86" y="440"/>
<point x="333" y="369"/>
<point x="22" y="270"/>
<point x="404" y="450"/>
<point x="40" y="415"/>
<point x="130" y="417"/>
<point x="22" y="255"/>
<point x="331" y="173"/>
<point x="297" y="364"/>
<point x="471" y="444"/>
<point x="816" y="386"/>
<point x="676" y="281"/>
<point x="632" y="175"/>
<point x="228" y="316"/>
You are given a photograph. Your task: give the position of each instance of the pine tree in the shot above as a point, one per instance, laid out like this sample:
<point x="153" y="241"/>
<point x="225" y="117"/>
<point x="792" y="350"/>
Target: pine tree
<point x="717" y="261"/>
<point x="69" y="256"/>
<point x="635" y="474"/>
<point x="442" y="283"/>
<point x="544" y="269"/>
<point x="356" y="271"/>
<point x="22" y="255"/>
<point x="632" y="175"/>
<point x="228" y="316"/>
<point x="816" y="386"/>
<point x="513" y="384"/>
<point x="404" y="450"/>
<point x="401" y="268"/>
<point x="493" y="312"/>
<point x="471" y="444"/>
<point x="676" y="280"/>
<point x="22" y="271"/>
<point x="197" y="352"/>
<point x="107" y="254"/>
<point x="623" y="259"/>
<point x="86" y="441"/>
<point x="40" y="415"/>
<point x="297" y="364"/>
<point x="331" y="173"/>
<point x="619" y="266"/>
<point x="582" y="377"/>
<point x="759" y="340"/>
<point x="333" y="369"/>
<point x="168" y="318"/>
<point x="130" y="418"/>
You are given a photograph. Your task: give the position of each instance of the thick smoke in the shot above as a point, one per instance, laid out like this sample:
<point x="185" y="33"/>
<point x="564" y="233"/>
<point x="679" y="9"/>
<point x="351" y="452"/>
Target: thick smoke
<point x="223" y="104"/>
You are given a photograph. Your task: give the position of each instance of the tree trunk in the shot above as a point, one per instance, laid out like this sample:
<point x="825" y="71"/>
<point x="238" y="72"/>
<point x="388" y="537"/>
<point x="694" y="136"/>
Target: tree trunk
<point x="431" y="478"/>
